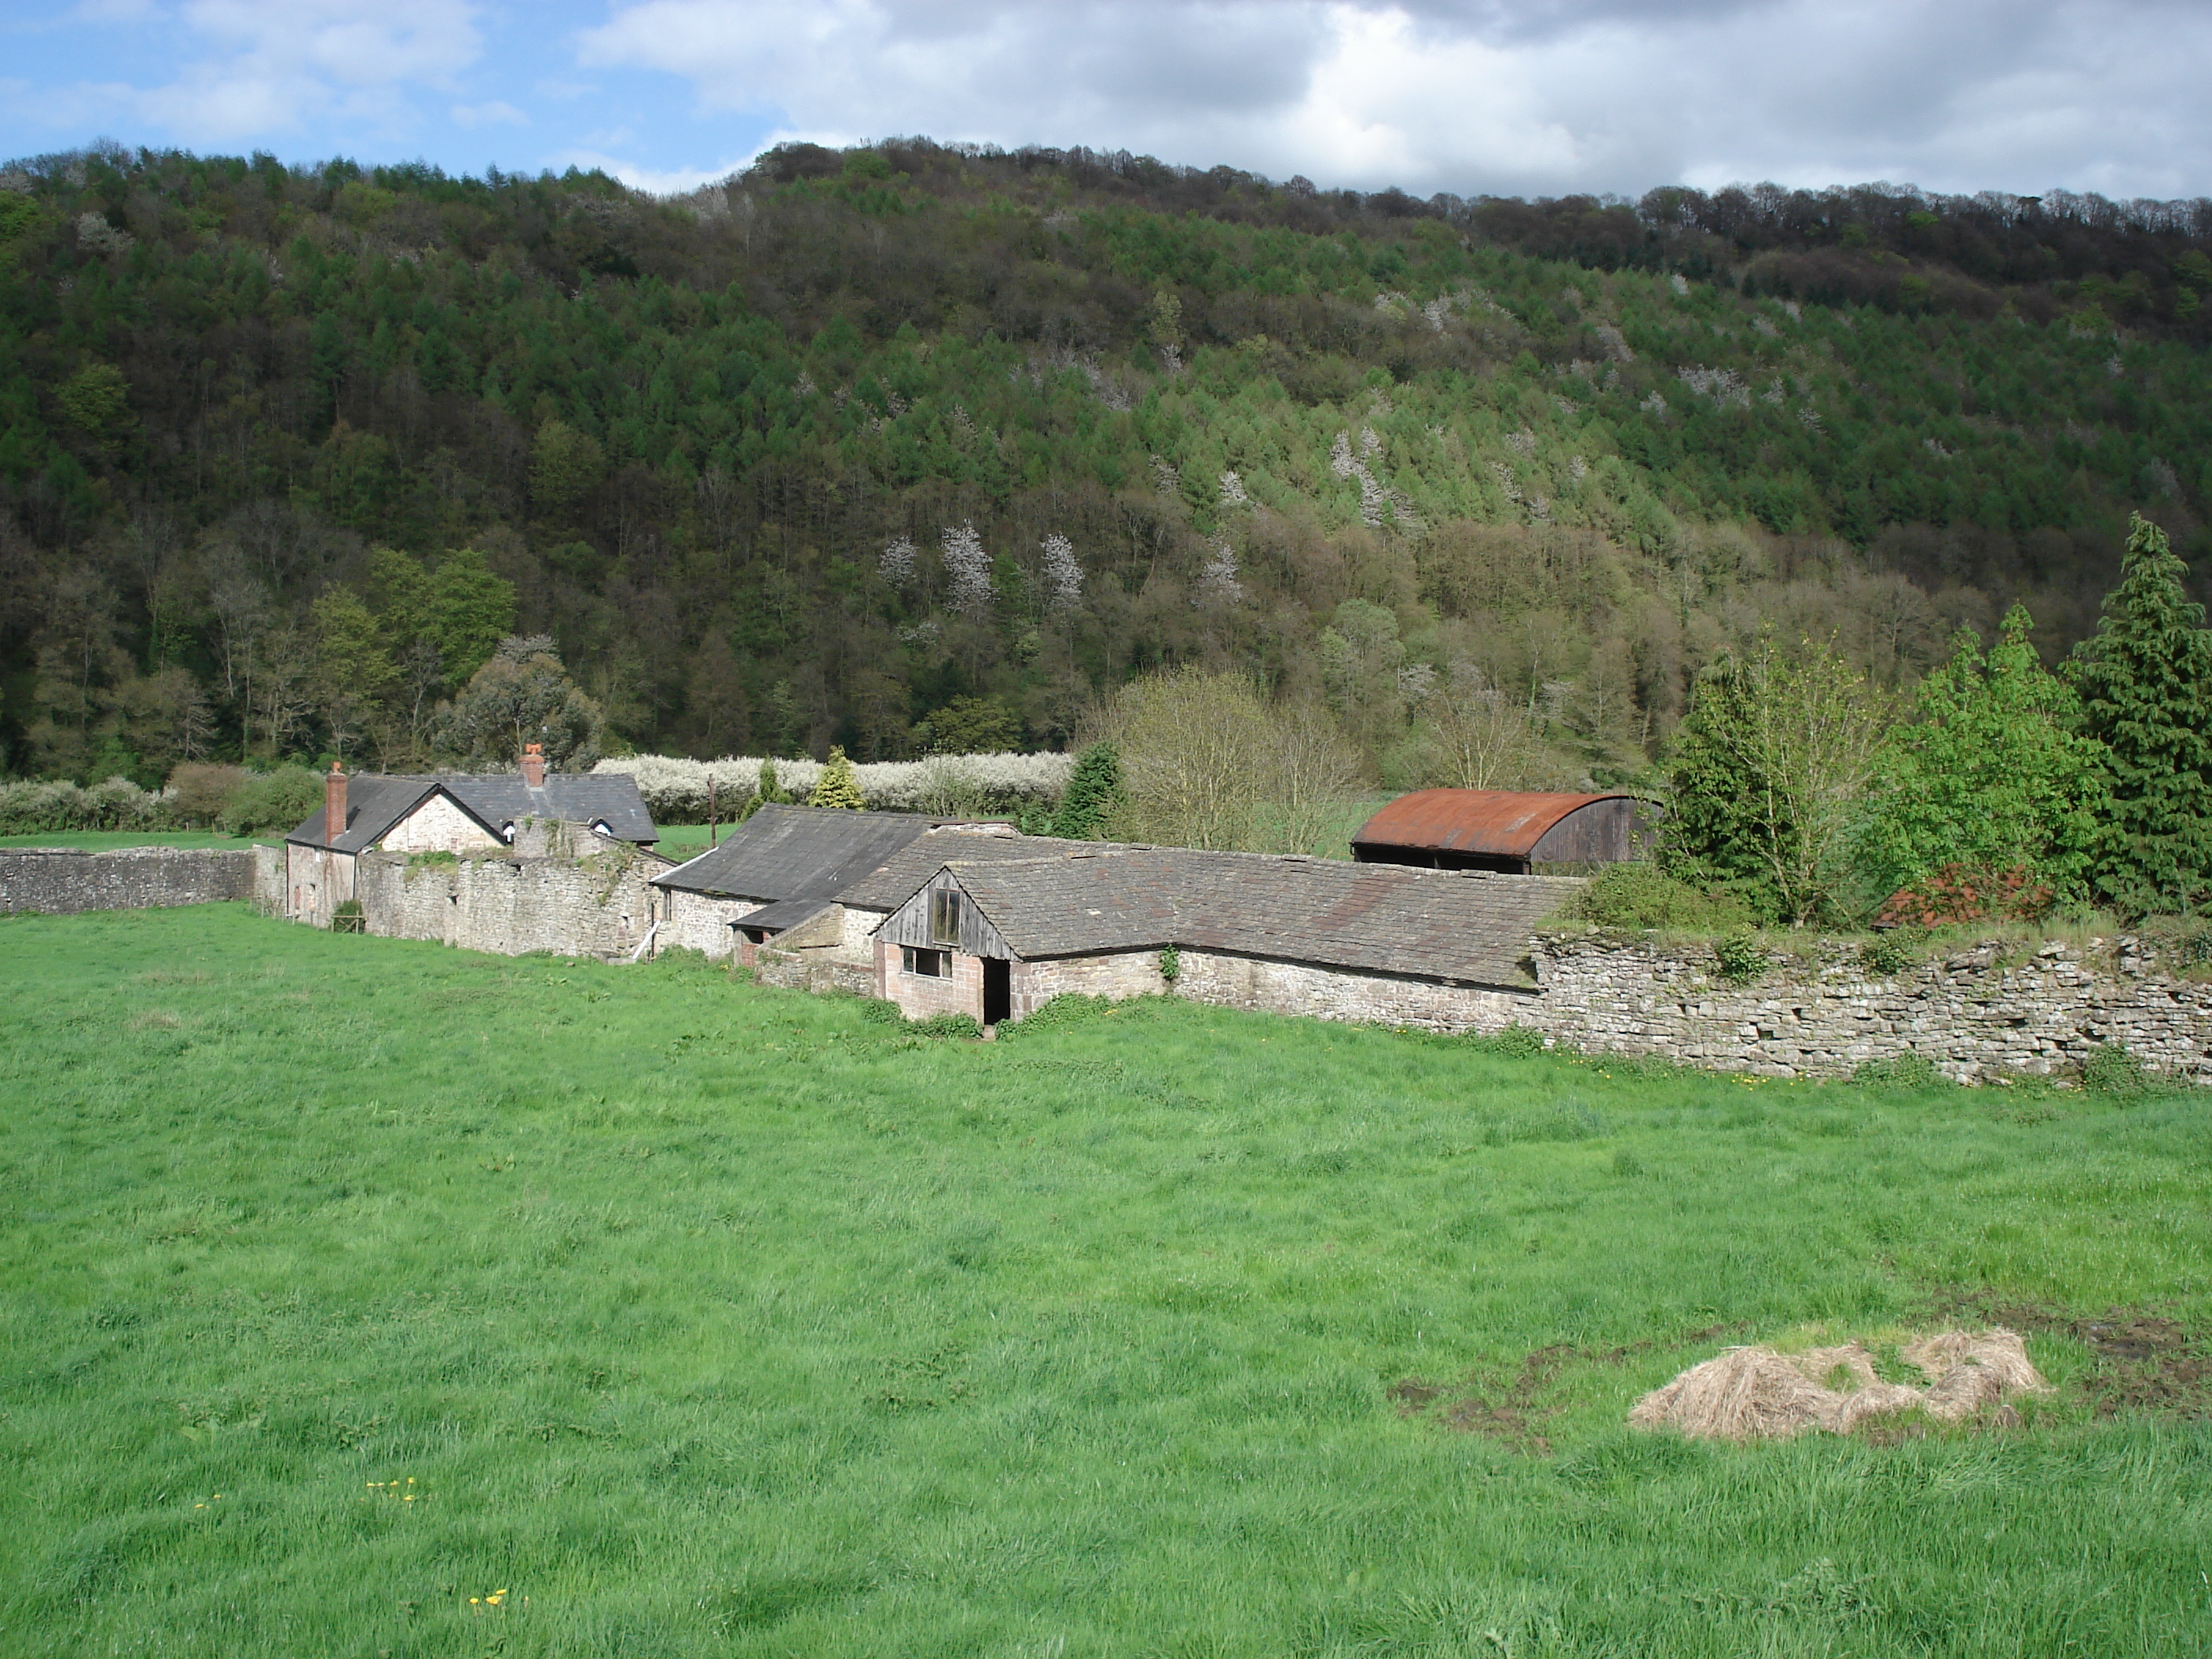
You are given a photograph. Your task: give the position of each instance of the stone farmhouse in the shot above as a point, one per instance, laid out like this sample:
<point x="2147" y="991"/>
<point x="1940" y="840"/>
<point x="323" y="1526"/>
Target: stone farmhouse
<point x="449" y="813"/>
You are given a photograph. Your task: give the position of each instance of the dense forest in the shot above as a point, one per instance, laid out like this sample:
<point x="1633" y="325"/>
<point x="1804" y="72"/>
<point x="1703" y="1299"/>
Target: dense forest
<point x="918" y="448"/>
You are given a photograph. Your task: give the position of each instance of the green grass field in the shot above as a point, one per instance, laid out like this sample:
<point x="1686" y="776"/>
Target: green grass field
<point x="99" y="840"/>
<point x="699" y="1318"/>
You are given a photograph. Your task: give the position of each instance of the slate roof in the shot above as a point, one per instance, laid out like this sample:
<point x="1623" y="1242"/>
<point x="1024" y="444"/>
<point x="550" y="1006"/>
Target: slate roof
<point x="798" y="852"/>
<point x="1468" y="926"/>
<point x="893" y="882"/>
<point x="375" y="803"/>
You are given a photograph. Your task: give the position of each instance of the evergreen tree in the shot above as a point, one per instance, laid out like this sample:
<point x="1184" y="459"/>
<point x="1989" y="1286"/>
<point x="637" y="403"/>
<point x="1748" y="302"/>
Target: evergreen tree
<point x="766" y="791"/>
<point x="2146" y="684"/>
<point x="836" y="788"/>
<point x="1768" y="768"/>
<point x="1094" y="790"/>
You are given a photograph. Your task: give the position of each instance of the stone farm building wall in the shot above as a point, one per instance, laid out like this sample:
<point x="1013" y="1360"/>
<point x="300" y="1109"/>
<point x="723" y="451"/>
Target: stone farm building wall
<point x="595" y="906"/>
<point x="61" y="881"/>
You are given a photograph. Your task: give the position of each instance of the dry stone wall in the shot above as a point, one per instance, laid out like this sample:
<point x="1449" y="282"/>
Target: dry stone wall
<point x="61" y="881"/>
<point x="1976" y="1015"/>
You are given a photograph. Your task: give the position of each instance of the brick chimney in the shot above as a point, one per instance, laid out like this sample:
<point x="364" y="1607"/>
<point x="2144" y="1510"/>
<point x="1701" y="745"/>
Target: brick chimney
<point x="533" y="765"/>
<point x="334" y="804"/>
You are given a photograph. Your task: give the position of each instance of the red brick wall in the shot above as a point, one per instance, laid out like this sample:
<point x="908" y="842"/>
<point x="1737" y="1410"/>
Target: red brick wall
<point x="918" y="996"/>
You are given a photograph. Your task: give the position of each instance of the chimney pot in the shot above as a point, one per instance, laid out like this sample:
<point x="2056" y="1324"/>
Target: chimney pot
<point x="533" y="765"/>
<point x="334" y="803"/>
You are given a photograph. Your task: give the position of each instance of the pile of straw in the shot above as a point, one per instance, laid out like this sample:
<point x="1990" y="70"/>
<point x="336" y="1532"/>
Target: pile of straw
<point x="1756" y="1393"/>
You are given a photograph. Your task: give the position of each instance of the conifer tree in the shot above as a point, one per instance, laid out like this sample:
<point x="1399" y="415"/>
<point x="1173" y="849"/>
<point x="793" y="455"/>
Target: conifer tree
<point x="1094" y="790"/>
<point x="766" y="791"/>
<point x="2146" y="684"/>
<point x="836" y="788"/>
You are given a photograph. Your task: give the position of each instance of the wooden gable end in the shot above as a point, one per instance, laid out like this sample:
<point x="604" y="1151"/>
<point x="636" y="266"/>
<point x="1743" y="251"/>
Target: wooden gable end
<point x="910" y="923"/>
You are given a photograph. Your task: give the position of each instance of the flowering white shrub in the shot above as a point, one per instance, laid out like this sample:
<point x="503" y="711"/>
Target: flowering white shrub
<point x="968" y="571"/>
<point x="95" y="234"/>
<point x="897" y="562"/>
<point x="1063" y="576"/>
<point x="674" y="789"/>
<point x="1216" y="578"/>
<point x="1232" y="490"/>
<point x="1339" y="456"/>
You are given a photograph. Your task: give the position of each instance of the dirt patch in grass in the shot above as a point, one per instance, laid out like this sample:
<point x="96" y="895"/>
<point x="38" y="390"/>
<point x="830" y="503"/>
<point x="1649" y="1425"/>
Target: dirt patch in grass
<point x="2146" y="1362"/>
<point x="1515" y="1410"/>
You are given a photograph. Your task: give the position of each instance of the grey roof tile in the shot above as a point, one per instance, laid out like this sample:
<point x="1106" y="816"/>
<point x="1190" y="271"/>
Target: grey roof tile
<point x="797" y="852"/>
<point x="1472" y="927"/>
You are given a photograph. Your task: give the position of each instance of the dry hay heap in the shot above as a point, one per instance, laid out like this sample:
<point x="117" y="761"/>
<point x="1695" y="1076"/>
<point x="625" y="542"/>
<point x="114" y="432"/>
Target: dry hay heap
<point x="1756" y="1393"/>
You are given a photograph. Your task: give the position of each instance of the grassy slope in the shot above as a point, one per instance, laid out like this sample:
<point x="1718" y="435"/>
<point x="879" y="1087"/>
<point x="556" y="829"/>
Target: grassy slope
<point x="712" y="1319"/>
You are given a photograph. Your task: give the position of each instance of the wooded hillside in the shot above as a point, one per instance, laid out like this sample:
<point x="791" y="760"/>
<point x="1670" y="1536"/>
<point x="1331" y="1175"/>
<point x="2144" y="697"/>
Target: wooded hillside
<point x="918" y="446"/>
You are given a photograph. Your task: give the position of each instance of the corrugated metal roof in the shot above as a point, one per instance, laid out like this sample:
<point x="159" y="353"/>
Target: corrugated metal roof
<point x="1495" y="823"/>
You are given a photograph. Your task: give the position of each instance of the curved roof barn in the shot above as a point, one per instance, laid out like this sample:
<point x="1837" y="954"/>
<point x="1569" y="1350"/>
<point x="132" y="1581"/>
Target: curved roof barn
<point x="1502" y="830"/>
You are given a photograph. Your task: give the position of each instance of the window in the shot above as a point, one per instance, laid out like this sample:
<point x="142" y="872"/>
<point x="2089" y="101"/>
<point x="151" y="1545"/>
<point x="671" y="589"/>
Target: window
<point x="930" y="964"/>
<point x="944" y="918"/>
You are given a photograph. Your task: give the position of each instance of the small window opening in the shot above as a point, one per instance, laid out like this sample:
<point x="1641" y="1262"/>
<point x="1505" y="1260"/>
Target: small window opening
<point x="930" y="964"/>
<point x="944" y="918"/>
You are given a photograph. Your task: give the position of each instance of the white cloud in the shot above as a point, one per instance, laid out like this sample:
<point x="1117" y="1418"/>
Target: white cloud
<point x="495" y="113"/>
<point x="270" y="65"/>
<point x="1574" y="95"/>
<point x="672" y="181"/>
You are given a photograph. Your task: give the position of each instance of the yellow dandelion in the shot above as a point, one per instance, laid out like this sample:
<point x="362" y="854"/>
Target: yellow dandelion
<point x="498" y="1593"/>
<point x="409" y="1498"/>
<point x="475" y="1600"/>
<point x="411" y="1479"/>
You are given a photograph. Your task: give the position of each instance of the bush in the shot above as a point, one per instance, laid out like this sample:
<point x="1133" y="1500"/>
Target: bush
<point x="1739" y="957"/>
<point x="273" y="803"/>
<point x="1895" y="952"/>
<point x="945" y="1026"/>
<point x="2112" y="1069"/>
<point x="1516" y="1041"/>
<point x="1644" y="896"/>
<point x="1899" y="1072"/>
<point x="38" y="809"/>
<point x="2182" y="942"/>
<point x="199" y="790"/>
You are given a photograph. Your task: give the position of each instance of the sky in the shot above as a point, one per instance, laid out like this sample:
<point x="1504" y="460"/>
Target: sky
<point x="1512" y="97"/>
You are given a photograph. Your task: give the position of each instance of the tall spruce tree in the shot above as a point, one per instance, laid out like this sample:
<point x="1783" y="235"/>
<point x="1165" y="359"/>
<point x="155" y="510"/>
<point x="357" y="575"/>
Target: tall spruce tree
<point x="2146" y="684"/>
<point x="1094" y="790"/>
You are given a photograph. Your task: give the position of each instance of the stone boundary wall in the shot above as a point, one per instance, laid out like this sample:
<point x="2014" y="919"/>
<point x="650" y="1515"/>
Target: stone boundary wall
<point x="510" y="906"/>
<point x="814" y="971"/>
<point x="1976" y="1015"/>
<point x="61" y="881"/>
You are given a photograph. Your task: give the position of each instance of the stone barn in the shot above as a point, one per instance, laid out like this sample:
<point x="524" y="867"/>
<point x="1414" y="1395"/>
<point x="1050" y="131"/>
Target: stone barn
<point x="998" y="939"/>
<point x="781" y="873"/>
<point x="1509" y="831"/>
<point x="445" y="814"/>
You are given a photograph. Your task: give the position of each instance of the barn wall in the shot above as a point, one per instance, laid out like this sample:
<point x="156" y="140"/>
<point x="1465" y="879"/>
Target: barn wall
<point x="511" y="907"/>
<point x="1293" y="988"/>
<point x="918" y="996"/>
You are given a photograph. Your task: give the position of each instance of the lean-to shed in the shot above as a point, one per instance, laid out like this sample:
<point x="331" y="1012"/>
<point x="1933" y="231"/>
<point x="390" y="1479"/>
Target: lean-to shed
<point x="1508" y="831"/>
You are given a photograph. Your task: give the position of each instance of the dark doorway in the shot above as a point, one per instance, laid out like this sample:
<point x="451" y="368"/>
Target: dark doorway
<point x="997" y="990"/>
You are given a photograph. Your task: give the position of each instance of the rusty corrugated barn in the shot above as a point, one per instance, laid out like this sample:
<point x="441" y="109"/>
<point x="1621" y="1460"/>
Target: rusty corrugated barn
<point x="1508" y="831"/>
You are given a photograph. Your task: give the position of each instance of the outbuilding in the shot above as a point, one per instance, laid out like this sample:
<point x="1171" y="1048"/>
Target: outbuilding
<point x="1509" y="831"/>
<point x="998" y="939"/>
